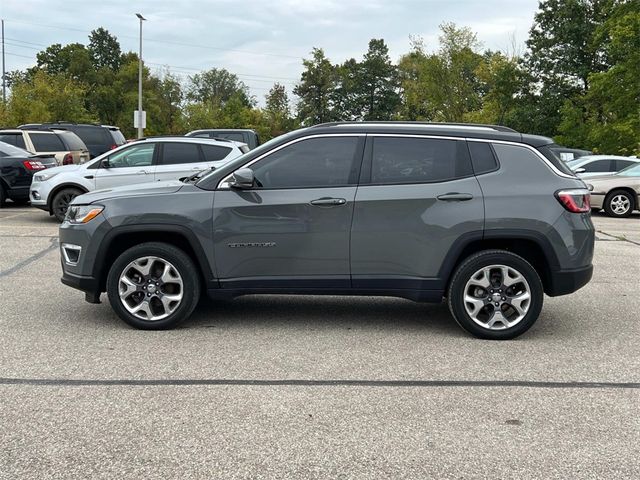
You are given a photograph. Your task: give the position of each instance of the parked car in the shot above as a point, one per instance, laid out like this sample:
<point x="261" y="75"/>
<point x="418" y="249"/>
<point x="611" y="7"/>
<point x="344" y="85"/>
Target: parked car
<point x="98" y="138"/>
<point x="144" y="161"/>
<point x="16" y="170"/>
<point x="488" y="219"/>
<point x="250" y="137"/>
<point x="566" y="154"/>
<point x="598" y="165"/>
<point x="618" y="194"/>
<point x="65" y="146"/>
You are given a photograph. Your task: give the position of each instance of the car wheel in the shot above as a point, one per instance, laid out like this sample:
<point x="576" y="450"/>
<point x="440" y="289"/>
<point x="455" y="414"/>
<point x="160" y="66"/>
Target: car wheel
<point x="495" y="295"/>
<point x="619" y="203"/>
<point x="61" y="201"/>
<point x="153" y="286"/>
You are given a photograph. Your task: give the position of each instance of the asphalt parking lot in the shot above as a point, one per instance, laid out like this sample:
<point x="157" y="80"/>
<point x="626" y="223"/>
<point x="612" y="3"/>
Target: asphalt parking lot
<point x="314" y="387"/>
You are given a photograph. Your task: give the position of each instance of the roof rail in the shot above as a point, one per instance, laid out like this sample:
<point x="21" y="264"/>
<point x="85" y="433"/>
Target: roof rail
<point x="498" y="128"/>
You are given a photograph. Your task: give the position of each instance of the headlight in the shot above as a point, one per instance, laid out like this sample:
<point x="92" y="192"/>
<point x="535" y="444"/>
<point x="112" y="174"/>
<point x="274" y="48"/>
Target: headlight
<point x="590" y="187"/>
<point x="43" y="177"/>
<point x="83" y="213"/>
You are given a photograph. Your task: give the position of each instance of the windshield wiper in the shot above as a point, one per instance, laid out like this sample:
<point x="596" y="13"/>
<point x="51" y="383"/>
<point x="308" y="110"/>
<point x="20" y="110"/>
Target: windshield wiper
<point x="197" y="175"/>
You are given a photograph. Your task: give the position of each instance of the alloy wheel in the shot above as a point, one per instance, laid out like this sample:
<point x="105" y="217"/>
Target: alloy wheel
<point x="620" y="204"/>
<point x="150" y="288"/>
<point x="497" y="297"/>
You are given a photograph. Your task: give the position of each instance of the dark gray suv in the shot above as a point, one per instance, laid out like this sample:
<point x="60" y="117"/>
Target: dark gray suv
<point x="486" y="217"/>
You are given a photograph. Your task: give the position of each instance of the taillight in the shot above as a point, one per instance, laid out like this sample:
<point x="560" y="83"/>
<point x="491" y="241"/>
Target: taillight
<point x="31" y="165"/>
<point x="68" y="159"/>
<point x="575" y="201"/>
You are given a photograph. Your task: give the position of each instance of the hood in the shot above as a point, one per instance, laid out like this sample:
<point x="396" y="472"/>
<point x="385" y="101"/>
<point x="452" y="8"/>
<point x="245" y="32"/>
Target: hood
<point x="150" y="188"/>
<point x="64" y="168"/>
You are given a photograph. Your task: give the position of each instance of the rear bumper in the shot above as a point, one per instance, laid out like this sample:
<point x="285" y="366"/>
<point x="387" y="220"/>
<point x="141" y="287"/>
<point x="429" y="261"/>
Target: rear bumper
<point x="563" y="282"/>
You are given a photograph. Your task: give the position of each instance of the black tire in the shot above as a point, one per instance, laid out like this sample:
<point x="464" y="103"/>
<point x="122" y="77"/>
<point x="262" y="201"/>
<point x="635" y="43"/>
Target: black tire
<point x="61" y="200"/>
<point x="473" y="264"/>
<point x="3" y="197"/>
<point x="184" y="267"/>
<point x="616" y="194"/>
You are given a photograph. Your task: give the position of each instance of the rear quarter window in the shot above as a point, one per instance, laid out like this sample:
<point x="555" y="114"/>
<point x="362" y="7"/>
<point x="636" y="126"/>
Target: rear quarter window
<point x="550" y="155"/>
<point x="213" y="153"/>
<point x="72" y="141"/>
<point x="482" y="157"/>
<point x="93" y="135"/>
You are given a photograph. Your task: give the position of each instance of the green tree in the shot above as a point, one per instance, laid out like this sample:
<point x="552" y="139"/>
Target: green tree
<point x="47" y="98"/>
<point x="218" y="86"/>
<point x="562" y="53"/>
<point x="104" y="50"/>
<point x="277" y="113"/>
<point x="72" y="60"/>
<point x="315" y="89"/>
<point x="442" y="86"/>
<point x="607" y="117"/>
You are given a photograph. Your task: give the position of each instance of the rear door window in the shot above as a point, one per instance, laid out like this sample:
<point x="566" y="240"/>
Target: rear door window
<point x="46" y="142"/>
<point x="398" y="160"/>
<point x="598" y="166"/>
<point x="176" y="153"/>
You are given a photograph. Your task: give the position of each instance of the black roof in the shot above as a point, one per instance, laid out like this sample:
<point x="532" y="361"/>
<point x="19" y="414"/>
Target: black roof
<point x="462" y="130"/>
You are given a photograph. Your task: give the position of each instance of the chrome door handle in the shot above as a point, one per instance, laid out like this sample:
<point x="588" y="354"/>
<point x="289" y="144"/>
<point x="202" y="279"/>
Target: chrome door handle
<point x="455" y="197"/>
<point x="328" y="202"/>
<point x="142" y="171"/>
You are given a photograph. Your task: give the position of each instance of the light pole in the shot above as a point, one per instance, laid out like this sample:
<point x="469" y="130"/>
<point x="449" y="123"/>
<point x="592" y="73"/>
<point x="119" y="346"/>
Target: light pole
<point x="140" y="114"/>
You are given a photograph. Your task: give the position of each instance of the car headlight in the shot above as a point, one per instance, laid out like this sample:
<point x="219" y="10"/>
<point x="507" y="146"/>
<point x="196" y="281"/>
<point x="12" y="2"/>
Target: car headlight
<point x="590" y="187"/>
<point x="43" y="177"/>
<point x="83" y="213"/>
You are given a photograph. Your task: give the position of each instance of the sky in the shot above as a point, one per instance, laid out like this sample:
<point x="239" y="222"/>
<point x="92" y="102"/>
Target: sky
<point x="261" y="41"/>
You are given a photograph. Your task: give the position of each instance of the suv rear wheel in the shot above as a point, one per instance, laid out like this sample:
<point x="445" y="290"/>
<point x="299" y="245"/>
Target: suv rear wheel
<point x="153" y="286"/>
<point x="496" y="295"/>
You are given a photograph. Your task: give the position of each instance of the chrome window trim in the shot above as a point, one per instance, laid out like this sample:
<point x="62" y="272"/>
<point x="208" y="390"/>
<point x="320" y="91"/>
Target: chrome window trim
<point x="224" y="184"/>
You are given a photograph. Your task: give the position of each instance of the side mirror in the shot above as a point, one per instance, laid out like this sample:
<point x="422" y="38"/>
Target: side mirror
<point x="242" y="178"/>
<point x="580" y="170"/>
<point x="104" y="163"/>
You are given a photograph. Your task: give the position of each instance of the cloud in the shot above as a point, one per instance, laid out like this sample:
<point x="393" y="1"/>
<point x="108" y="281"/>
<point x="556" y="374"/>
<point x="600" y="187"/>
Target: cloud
<point x="257" y="38"/>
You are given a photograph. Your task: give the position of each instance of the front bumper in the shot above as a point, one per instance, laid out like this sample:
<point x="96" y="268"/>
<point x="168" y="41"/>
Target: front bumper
<point x="563" y="282"/>
<point x="597" y="200"/>
<point x="89" y="285"/>
<point x="39" y="195"/>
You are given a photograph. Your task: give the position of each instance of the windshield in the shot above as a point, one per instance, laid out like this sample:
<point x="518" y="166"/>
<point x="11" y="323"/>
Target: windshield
<point x="632" y="171"/>
<point x="256" y="152"/>
<point x="12" y="151"/>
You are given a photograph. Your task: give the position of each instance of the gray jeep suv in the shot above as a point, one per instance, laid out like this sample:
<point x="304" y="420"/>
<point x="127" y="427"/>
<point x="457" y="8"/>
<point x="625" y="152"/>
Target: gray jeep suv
<point x="486" y="217"/>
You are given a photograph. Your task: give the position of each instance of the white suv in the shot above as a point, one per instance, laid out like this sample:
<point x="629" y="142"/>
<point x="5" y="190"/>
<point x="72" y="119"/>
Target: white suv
<point x="143" y="161"/>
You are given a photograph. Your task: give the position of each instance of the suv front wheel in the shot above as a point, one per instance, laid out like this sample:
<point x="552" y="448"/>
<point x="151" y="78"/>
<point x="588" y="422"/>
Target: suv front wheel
<point x="153" y="286"/>
<point x="495" y="295"/>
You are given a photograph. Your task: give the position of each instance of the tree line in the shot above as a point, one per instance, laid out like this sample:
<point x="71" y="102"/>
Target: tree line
<point x="577" y="81"/>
